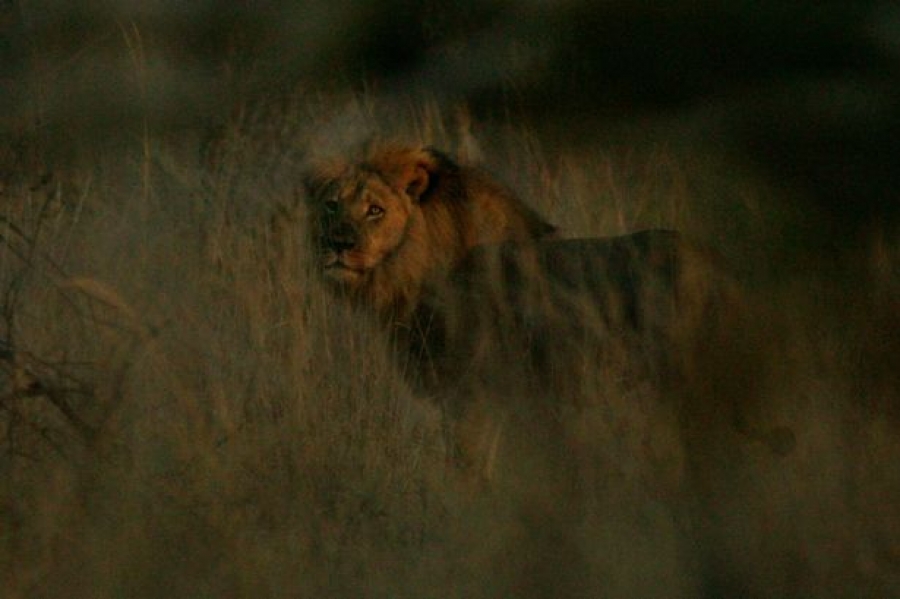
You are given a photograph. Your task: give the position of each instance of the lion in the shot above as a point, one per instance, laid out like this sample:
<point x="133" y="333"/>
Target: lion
<point x="494" y="314"/>
<point x="401" y="218"/>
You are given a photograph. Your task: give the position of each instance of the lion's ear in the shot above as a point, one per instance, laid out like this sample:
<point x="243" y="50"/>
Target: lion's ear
<point x="416" y="182"/>
<point x="418" y="177"/>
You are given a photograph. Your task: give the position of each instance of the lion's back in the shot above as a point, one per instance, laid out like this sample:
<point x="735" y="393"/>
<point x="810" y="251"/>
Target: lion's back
<point x="534" y="309"/>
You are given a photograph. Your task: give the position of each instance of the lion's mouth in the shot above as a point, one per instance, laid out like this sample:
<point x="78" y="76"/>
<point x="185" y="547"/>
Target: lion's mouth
<point x="342" y="268"/>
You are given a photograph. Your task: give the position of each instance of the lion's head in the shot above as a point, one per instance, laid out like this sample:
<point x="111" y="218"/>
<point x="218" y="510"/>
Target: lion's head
<point x="363" y="211"/>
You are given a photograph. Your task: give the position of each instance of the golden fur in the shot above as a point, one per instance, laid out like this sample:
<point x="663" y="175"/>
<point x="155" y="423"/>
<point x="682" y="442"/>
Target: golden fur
<point x="399" y="218"/>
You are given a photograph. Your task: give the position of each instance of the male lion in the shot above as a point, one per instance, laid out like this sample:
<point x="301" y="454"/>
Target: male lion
<point x="497" y="315"/>
<point x="401" y="218"/>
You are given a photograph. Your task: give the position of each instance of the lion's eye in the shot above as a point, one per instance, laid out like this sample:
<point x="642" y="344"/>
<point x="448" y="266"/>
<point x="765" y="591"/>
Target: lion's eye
<point x="374" y="211"/>
<point x="331" y="207"/>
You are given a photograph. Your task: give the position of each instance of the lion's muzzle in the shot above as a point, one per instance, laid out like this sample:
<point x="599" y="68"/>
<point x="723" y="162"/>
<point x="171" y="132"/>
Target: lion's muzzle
<point x="341" y="236"/>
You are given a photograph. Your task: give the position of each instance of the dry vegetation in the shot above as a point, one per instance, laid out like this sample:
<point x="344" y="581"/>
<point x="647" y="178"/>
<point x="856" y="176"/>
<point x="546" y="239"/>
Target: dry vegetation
<point x="183" y="413"/>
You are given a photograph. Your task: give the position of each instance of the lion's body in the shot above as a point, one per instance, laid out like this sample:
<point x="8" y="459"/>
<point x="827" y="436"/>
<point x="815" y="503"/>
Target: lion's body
<point x="534" y="308"/>
<point x="529" y="329"/>
<point x="511" y="302"/>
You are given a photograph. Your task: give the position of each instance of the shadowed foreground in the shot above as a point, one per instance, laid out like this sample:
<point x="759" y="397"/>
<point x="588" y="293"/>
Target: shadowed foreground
<point x="184" y="412"/>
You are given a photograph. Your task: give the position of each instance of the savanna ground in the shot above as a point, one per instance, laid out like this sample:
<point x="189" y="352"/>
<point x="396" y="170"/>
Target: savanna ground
<point x="185" y="413"/>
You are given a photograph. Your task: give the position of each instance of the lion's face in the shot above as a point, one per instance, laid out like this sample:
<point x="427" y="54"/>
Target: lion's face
<point x="360" y="221"/>
<point x="361" y="214"/>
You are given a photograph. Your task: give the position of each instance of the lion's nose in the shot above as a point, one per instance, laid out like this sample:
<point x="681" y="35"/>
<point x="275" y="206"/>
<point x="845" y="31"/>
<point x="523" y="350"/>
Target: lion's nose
<point x="342" y="237"/>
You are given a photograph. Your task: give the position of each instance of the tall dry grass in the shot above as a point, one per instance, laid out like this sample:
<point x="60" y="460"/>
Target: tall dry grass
<point x="185" y="413"/>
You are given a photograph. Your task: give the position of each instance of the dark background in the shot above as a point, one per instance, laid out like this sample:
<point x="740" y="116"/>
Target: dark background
<point x="807" y="93"/>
